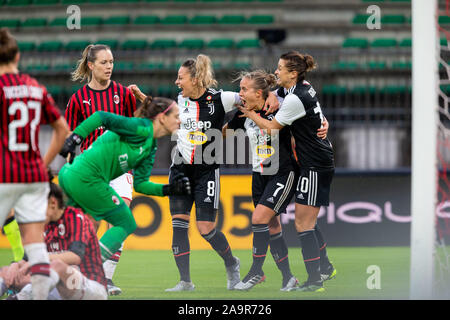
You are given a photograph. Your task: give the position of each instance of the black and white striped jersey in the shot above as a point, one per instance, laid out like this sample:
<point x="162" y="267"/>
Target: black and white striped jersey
<point x="271" y="153"/>
<point x="201" y="124"/>
<point x="301" y="111"/>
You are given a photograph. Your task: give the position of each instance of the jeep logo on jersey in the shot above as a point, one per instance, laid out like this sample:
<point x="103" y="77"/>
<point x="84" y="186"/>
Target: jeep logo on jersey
<point x="197" y="137"/>
<point x="195" y="125"/>
<point x="265" y="151"/>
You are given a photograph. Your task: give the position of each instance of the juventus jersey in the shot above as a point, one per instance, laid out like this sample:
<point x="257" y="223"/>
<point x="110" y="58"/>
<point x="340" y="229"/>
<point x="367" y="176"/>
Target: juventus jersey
<point x="301" y="111"/>
<point x="270" y="153"/>
<point x="198" y="117"/>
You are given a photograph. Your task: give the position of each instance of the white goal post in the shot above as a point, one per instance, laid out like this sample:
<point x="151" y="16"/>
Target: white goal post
<point x="425" y="83"/>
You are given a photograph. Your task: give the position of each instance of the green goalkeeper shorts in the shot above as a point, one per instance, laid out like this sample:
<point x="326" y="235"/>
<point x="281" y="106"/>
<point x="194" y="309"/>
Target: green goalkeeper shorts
<point x="93" y="195"/>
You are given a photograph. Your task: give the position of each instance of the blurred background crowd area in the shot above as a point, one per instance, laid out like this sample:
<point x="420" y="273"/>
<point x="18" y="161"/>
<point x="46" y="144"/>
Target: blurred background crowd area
<point x="362" y="48"/>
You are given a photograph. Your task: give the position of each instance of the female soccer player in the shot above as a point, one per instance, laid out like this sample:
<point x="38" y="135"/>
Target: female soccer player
<point x="202" y="112"/>
<point x="130" y="144"/>
<point x="302" y="114"/>
<point x="25" y="105"/>
<point x="273" y="180"/>
<point x="100" y="93"/>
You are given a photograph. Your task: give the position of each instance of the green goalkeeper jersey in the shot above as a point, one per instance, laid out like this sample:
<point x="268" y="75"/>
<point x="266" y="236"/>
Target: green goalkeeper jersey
<point x="127" y="145"/>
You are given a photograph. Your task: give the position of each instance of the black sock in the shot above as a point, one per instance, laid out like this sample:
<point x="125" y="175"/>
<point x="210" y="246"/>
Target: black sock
<point x="324" y="262"/>
<point x="279" y="251"/>
<point x="311" y="254"/>
<point x="181" y="247"/>
<point x="219" y="242"/>
<point x="261" y="238"/>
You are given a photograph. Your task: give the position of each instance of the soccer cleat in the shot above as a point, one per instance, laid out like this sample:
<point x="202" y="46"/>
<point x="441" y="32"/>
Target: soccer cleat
<point x="330" y="273"/>
<point x="113" y="290"/>
<point x="249" y="282"/>
<point x="182" y="286"/>
<point x="310" y="286"/>
<point x="291" y="283"/>
<point x="233" y="274"/>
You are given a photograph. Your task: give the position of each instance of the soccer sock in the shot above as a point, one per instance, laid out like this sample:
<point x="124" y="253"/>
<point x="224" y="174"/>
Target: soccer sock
<point x="279" y="251"/>
<point x="110" y="265"/>
<point x="219" y="242"/>
<point x="111" y="241"/>
<point x="311" y="254"/>
<point x="12" y="233"/>
<point x="181" y="247"/>
<point x="261" y="238"/>
<point x="2" y="287"/>
<point x="40" y="269"/>
<point x="324" y="261"/>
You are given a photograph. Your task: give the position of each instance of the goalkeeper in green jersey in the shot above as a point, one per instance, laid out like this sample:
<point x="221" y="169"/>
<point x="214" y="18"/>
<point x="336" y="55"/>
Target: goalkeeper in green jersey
<point x="129" y="144"/>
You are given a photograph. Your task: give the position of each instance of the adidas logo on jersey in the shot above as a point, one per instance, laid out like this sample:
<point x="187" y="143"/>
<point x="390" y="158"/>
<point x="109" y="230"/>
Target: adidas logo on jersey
<point x="207" y="199"/>
<point x="270" y="200"/>
<point x="300" y="196"/>
<point x="186" y="110"/>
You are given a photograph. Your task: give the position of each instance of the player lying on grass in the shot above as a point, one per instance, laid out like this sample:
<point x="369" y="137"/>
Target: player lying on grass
<point x="74" y="254"/>
<point x="129" y="144"/>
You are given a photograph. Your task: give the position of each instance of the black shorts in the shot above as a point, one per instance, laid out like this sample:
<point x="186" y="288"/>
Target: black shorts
<point x="313" y="187"/>
<point x="274" y="191"/>
<point x="205" y="186"/>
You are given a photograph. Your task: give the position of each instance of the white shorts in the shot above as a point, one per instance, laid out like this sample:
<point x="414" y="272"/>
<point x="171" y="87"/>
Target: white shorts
<point x="123" y="185"/>
<point x="29" y="201"/>
<point x="87" y="289"/>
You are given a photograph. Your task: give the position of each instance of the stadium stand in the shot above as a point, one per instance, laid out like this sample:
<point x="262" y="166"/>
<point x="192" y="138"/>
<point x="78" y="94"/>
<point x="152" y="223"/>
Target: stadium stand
<point x="363" y="76"/>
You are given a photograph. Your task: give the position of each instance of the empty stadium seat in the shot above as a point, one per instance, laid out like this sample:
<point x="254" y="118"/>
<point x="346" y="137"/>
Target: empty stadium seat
<point x="112" y="43"/>
<point x="192" y="44"/>
<point x="248" y="43"/>
<point x="146" y="20"/>
<point x="260" y="19"/>
<point x="34" y="22"/>
<point x="383" y="43"/>
<point x="26" y="45"/>
<point x="355" y="43"/>
<point x="117" y="20"/>
<point x="231" y="19"/>
<point x="221" y="43"/>
<point x="91" y="21"/>
<point x="54" y="45"/>
<point x="9" y="23"/>
<point x="134" y="44"/>
<point x="163" y="44"/>
<point x="174" y="19"/>
<point x="203" y="19"/>
<point x="77" y="45"/>
<point x="58" y="22"/>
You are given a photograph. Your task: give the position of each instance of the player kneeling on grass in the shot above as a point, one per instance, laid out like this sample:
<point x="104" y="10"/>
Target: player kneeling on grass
<point x="74" y="254"/>
<point x="129" y="144"/>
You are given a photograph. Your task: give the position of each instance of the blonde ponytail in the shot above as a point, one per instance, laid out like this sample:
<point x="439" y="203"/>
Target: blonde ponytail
<point x="82" y="71"/>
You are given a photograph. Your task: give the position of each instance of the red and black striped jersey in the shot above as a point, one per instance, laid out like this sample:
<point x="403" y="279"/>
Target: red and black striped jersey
<point x="117" y="99"/>
<point x="75" y="226"/>
<point x="24" y="106"/>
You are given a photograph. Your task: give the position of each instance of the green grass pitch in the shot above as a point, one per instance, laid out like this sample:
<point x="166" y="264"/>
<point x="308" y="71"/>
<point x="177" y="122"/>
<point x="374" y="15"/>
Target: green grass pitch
<point x="362" y="273"/>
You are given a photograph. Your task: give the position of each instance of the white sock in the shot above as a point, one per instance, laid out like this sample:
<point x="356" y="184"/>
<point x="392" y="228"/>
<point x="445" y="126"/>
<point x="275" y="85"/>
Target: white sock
<point x="109" y="267"/>
<point x="2" y="287"/>
<point x="40" y="269"/>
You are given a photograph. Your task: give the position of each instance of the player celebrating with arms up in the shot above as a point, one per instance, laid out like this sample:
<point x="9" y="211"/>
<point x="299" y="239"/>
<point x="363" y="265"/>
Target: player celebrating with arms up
<point x="129" y="144"/>
<point x="301" y="112"/>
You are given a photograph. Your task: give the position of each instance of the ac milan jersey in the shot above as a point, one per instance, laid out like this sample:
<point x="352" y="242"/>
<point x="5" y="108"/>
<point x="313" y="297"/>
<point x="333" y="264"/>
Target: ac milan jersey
<point x="24" y="106"/>
<point x="198" y="117"/>
<point x="116" y="99"/>
<point x="74" y="226"/>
